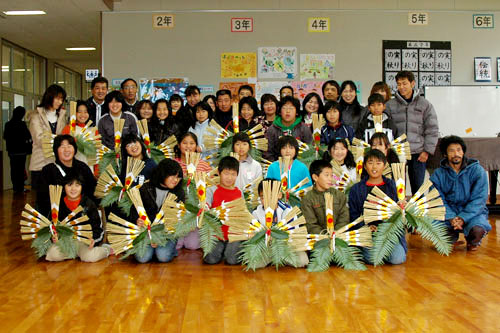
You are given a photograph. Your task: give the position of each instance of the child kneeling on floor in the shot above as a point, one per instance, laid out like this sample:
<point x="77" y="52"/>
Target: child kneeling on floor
<point x="73" y="198"/>
<point x="280" y="212"/>
<point x="226" y="191"/>
<point x="374" y="163"/>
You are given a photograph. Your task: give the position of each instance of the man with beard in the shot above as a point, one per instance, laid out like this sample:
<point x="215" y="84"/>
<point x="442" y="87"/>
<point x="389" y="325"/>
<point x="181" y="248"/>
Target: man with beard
<point x="463" y="185"/>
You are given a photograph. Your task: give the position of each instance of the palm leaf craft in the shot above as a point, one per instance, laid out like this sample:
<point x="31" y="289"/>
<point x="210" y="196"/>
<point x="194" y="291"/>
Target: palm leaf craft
<point x="48" y="144"/>
<point x="221" y="141"/>
<point x="401" y="147"/>
<point x="111" y="190"/>
<point x="294" y="194"/>
<point x="342" y="180"/>
<point x="105" y="155"/>
<point x="267" y="241"/>
<point x="164" y="149"/>
<point x="337" y="246"/>
<point x="67" y="232"/>
<point x="359" y="154"/>
<point x="128" y="237"/>
<point x="87" y="141"/>
<point x="251" y="194"/>
<point x="423" y="212"/>
<point x="118" y="124"/>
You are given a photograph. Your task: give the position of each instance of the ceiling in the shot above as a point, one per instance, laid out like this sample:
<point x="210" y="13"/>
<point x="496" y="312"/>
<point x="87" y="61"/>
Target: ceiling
<point x="68" y="23"/>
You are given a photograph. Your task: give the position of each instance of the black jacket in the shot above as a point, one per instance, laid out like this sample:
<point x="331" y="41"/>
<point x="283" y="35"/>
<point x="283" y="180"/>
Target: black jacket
<point x="89" y="209"/>
<point x="51" y="175"/>
<point x="17" y="136"/>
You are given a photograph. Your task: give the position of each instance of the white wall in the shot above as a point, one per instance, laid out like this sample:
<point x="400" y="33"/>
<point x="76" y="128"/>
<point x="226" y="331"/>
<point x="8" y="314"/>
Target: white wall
<point x="192" y="49"/>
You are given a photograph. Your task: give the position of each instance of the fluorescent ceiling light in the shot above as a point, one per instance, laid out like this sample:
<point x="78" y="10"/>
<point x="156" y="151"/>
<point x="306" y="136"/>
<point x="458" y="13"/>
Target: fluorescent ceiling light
<point x="80" y="49"/>
<point x="25" y="12"/>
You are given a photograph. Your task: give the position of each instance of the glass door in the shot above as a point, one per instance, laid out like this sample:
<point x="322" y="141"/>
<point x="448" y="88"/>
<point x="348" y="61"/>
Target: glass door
<point x="7" y="107"/>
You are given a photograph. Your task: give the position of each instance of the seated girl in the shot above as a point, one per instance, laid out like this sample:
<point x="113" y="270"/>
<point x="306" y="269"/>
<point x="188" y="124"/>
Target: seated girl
<point x="132" y="146"/>
<point x="73" y="197"/>
<point x="249" y="112"/>
<point x="250" y="169"/>
<point x="189" y="143"/>
<point x="204" y="114"/>
<point x="338" y="150"/>
<point x="334" y="127"/>
<point x="166" y="178"/>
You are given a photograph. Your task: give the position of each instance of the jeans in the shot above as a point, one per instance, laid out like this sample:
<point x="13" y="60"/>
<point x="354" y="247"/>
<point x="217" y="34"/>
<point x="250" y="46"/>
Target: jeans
<point x="416" y="173"/>
<point x="163" y="253"/>
<point x="397" y="257"/>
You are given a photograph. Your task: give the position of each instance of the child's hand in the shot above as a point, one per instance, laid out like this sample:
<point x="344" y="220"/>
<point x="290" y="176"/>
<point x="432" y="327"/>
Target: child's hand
<point x="198" y="149"/>
<point x="91" y="245"/>
<point x="373" y="228"/>
<point x="457" y="223"/>
<point x="154" y="246"/>
<point x="140" y="223"/>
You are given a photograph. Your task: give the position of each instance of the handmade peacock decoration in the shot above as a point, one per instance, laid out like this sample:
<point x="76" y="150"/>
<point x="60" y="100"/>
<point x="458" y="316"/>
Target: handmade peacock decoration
<point x="423" y="212"/>
<point x="129" y="237"/>
<point x="111" y="190"/>
<point x="338" y="246"/>
<point x="342" y="180"/>
<point x="268" y="241"/>
<point x="106" y="155"/>
<point x="221" y="141"/>
<point x="314" y="151"/>
<point x="66" y="233"/>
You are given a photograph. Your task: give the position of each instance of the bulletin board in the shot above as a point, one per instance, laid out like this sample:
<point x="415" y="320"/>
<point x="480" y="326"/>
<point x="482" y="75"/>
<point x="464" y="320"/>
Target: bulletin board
<point x="430" y="62"/>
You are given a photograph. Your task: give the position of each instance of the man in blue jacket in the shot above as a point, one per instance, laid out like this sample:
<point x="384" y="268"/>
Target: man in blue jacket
<point x="463" y="185"/>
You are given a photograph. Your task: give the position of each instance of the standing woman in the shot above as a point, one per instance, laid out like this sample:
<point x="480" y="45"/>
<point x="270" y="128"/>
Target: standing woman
<point x="49" y="116"/>
<point x="312" y="104"/>
<point x="350" y="108"/>
<point x="383" y="89"/>
<point x="269" y="106"/>
<point x="19" y="144"/>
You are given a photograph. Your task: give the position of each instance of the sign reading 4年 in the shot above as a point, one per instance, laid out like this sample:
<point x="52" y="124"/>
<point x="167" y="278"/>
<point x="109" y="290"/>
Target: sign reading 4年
<point x="163" y="21"/>
<point x="318" y="24"/>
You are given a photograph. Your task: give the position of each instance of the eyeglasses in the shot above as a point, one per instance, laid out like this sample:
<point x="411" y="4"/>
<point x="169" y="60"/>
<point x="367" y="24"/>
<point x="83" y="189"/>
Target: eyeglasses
<point x="130" y="88"/>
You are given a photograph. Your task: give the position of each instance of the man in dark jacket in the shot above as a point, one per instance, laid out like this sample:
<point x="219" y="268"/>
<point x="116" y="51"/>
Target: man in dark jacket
<point x="224" y="111"/>
<point x="415" y="117"/>
<point x="463" y="186"/>
<point x="19" y="144"/>
<point x="99" y="89"/>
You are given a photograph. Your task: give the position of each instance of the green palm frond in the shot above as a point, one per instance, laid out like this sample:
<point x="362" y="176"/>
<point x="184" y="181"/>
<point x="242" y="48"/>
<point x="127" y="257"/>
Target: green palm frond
<point x="188" y="224"/>
<point x="107" y="159"/>
<point x="42" y="242"/>
<point x="434" y="231"/>
<point x="310" y="155"/>
<point x="386" y="237"/>
<point x="209" y="232"/>
<point x="254" y="252"/>
<point x="85" y="147"/>
<point x="125" y="204"/>
<point x="282" y="254"/>
<point x="348" y="257"/>
<point x="157" y="155"/>
<point x="158" y="235"/>
<point x="294" y="201"/>
<point x="321" y="257"/>
<point x="111" y="197"/>
<point x="66" y="243"/>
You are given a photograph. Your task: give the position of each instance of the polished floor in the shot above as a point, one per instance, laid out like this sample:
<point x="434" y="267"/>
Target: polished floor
<point x="429" y="293"/>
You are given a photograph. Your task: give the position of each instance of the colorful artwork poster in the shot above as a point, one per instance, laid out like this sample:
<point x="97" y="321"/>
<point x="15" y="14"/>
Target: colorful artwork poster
<point x="234" y="86"/>
<point x="155" y="89"/>
<point x="277" y="62"/>
<point x="238" y="65"/>
<point x="317" y="66"/>
<point x="269" y="87"/>
<point x="302" y="88"/>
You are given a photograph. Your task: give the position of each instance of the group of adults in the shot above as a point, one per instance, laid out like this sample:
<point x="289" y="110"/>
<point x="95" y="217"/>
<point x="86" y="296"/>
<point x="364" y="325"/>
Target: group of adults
<point x="462" y="182"/>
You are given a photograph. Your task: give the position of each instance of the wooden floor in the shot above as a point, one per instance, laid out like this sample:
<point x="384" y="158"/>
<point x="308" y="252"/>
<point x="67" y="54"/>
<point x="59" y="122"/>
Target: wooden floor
<point x="429" y="293"/>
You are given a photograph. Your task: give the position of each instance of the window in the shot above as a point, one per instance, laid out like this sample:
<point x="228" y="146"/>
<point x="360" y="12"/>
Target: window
<point x="30" y="60"/>
<point x="18" y="70"/>
<point x="6" y="66"/>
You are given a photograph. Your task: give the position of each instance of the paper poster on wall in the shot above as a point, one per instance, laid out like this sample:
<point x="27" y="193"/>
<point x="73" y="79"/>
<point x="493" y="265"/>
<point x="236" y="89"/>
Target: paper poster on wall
<point x="206" y="89"/>
<point x="429" y="61"/>
<point x="238" y="65"/>
<point x="116" y="83"/>
<point x="302" y="88"/>
<point x="317" y="66"/>
<point x="277" y="62"/>
<point x="234" y="86"/>
<point x="155" y="89"/>
<point x="482" y="69"/>
<point x="269" y="87"/>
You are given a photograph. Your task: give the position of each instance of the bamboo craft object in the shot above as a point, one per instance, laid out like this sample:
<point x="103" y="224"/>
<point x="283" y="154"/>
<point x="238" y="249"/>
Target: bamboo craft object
<point x="399" y="173"/>
<point x="192" y="159"/>
<point x="118" y="126"/>
<point x="143" y="129"/>
<point x="236" y="118"/>
<point x="106" y="182"/>
<point x="317" y="122"/>
<point x="377" y="120"/>
<point x="48" y="144"/>
<point x="72" y="118"/>
<point x="401" y="147"/>
<point x="167" y="147"/>
<point x="358" y="153"/>
<point x="341" y="180"/>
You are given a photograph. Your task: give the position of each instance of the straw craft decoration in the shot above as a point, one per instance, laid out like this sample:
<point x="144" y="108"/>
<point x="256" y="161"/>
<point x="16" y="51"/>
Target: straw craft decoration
<point x="401" y="147"/>
<point x="387" y="172"/>
<point x="48" y="144"/>
<point x="267" y="241"/>
<point x="72" y="118"/>
<point x="337" y="246"/>
<point x="236" y="118"/>
<point x="310" y="152"/>
<point x="111" y="190"/>
<point x="192" y="159"/>
<point x="221" y="142"/>
<point x="377" y="121"/>
<point x="143" y="129"/>
<point x="118" y="126"/>
<point x="399" y="173"/>
<point x="128" y="237"/>
<point x="164" y="149"/>
<point x="423" y="212"/>
<point x="251" y="194"/>
<point x="342" y="180"/>
<point x="358" y="153"/>
<point x="43" y="231"/>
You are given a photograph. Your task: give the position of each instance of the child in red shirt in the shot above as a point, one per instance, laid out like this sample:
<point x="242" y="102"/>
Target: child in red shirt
<point x="226" y="191"/>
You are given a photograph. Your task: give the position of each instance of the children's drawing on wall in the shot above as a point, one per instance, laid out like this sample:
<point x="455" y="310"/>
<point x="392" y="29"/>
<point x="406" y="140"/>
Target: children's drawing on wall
<point x="317" y="66"/>
<point x="277" y="62"/>
<point x="155" y="89"/>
